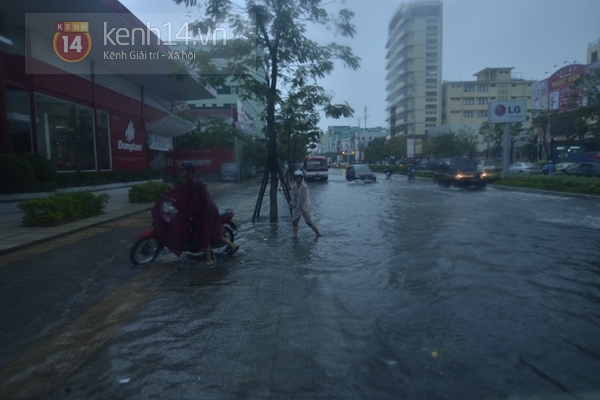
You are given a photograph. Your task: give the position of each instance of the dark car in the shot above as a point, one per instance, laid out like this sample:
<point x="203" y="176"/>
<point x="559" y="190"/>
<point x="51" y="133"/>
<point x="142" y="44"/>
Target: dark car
<point x="581" y="169"/>
<point x="459" y="174"/>
<point x="360" y="172"/>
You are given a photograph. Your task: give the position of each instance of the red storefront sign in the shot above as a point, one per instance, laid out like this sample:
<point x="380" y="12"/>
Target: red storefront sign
<point x="205" y="160"/>
<point x="128" y="143"/>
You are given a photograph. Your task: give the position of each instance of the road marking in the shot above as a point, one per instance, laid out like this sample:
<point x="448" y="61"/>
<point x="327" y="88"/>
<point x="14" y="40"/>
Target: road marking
<point x="40" y="370"/>
<point x="49" y="245"/>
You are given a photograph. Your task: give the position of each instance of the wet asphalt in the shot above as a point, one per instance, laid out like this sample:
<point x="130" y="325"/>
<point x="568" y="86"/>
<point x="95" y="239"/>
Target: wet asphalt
<point x="415" y="291"/>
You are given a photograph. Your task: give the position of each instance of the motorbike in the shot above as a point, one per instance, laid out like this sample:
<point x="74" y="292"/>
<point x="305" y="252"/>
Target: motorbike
<point x="173" y="229"/>
<point x="388" y="174"/>
<point x="410" y="175"/>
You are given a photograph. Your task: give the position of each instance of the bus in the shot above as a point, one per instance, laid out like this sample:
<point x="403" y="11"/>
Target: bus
<point x="315" y="168"/>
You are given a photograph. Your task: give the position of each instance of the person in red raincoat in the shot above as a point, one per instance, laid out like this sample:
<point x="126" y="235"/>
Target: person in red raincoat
<point x="203" y="212"/>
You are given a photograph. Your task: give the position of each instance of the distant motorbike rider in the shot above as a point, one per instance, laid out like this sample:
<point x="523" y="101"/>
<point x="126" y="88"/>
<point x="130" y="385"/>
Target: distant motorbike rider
<point x="387" y="171"/>
<point x="410" y="172"/>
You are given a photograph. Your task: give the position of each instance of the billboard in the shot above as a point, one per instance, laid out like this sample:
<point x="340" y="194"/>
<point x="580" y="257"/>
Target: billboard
<point x="559" y="86"/>
<point x="507" y="111"/>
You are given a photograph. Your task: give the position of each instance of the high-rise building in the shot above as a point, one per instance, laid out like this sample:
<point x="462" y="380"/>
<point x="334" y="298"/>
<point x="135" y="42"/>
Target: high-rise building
<point x="414" y="71"/>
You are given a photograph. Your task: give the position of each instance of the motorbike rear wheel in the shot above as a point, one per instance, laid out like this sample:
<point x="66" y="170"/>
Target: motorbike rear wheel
<point x="145" y="251"/>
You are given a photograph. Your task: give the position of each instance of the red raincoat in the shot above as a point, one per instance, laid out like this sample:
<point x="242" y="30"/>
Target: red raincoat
<point x="195" y="204"/>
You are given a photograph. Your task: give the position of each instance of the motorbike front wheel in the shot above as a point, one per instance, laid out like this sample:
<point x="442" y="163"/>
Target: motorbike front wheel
<point x="145" y="250"/>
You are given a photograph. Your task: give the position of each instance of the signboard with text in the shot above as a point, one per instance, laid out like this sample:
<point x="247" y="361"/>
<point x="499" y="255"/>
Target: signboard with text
<point x="500" y="112"/>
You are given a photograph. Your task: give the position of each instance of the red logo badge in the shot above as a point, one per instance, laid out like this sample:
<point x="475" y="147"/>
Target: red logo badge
<point x="72" y="41"/>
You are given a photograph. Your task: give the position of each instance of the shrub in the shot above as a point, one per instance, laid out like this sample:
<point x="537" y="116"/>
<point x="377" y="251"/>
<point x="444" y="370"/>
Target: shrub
<point x="62" y="208"/>
<point x="17" y="174"/>
<point x="45" y="170"/>
<point x="559" y="183"/>
<point x="148" y="192"/>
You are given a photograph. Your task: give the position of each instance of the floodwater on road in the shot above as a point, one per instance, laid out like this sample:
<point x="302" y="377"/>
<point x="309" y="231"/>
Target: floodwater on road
<point x="415" y="291"/>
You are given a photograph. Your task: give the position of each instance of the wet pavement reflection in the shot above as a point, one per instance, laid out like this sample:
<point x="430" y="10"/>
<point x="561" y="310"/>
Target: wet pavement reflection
<point x="415" y="291"/>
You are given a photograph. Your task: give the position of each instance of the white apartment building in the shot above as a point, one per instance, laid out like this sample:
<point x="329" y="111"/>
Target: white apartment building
<point x="414" y="70"/>
<point x="593" y="51"/>
<point x="465" y="103"/>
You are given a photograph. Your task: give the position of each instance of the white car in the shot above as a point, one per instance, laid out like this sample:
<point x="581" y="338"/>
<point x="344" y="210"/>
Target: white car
<point x="522" y="168"/>
<point x="486" y="166"/>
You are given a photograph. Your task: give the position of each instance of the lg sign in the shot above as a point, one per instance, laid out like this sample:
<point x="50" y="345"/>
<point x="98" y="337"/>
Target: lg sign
<point x="507" y="111"/>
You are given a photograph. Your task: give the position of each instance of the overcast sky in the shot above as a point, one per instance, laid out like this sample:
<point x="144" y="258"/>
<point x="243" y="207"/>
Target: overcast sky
<point x="530" y="35"/>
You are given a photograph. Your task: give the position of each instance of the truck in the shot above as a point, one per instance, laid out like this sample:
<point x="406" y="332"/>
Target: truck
<point x="315" y="168"/>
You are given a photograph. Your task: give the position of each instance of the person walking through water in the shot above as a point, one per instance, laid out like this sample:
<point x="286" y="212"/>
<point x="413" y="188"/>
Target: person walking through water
<point x="203" y="213"/>
<point x="301" y="204"/>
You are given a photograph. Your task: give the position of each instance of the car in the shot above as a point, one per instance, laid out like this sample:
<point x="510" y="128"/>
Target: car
<point x="486" y="165"/>
<point x="459" y="173"/>
<point x="562" y="165"/>
<point x="581" y="169"/>
<point x="360" y="172"/>
<point x="521" y="168"/>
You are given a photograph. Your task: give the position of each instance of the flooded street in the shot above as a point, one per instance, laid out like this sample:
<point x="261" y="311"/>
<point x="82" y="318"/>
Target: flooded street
<point x="415" y="291"/>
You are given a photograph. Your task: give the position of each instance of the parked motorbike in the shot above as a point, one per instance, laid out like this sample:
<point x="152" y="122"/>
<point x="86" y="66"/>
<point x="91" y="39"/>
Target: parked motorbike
<point x="173" y="229"/>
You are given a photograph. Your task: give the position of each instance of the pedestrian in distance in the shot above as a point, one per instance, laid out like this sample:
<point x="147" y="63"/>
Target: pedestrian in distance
<point x="301" y="204"/>
<point x="203" y="212"/>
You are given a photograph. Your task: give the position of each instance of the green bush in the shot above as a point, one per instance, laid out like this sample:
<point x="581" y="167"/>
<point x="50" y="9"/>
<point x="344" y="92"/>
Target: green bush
<point x="559" y="183"/>
<point x="62" y="208"/>
<point x="45" y="170"/>
<point x="17" y="174"/>
<point x="148" y="192"/>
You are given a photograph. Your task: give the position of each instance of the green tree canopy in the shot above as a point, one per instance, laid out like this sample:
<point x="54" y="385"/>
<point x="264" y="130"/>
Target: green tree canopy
<point x="273" y="50"/>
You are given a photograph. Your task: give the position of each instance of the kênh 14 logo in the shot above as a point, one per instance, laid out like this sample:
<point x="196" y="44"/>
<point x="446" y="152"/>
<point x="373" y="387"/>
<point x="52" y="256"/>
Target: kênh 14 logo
<point x="72" y="41"/>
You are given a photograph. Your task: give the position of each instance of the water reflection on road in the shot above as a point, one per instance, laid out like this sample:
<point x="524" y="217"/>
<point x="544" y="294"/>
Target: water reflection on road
<point x="416" y="291"/>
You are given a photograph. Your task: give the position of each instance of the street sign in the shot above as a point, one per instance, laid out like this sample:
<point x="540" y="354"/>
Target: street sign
<point x="500" y="112"/>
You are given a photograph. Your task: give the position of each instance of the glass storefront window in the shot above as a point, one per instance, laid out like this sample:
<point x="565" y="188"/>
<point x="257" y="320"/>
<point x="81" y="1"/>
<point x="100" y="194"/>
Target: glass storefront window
<point x="65" y="133"/>
<point x="19" y="121"/>
<point x="103" y="134"/>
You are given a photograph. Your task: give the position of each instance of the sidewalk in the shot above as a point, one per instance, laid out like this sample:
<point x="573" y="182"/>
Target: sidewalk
<point x="14" y="236"/>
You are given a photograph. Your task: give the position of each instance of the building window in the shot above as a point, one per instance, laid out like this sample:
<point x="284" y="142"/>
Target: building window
<point x="19" y="122"/>
<point x="454" y="98"/>
<point x="431" y="87"/>
<point x="482" y="88"/>
<point x="432" y="21"/>
<point x="431" y="54"/>
<point x="454" y="112"/>
<point x="431" y="41"/>
<point x="482" y="114"/>
<point x="432" y="48"/>
<point x="430" y="93"/>
<point x="430" y="34"/>
<point x="468" y="101"/>
<point x="431" y="106"/>
<point x="431" y="67"/>
<point x="432" y="27"/>
<point x="430" y="112"/>
<point x="468" y="114"/>
<point x="468" y="88"/>
<point x="430" y="119"/>
<point x="431" y="61"/>
<point x="66" y="134"/>
<point x="482" y="100"/>
<point x="430" y="100"/>
<point x="430" y="125"/>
